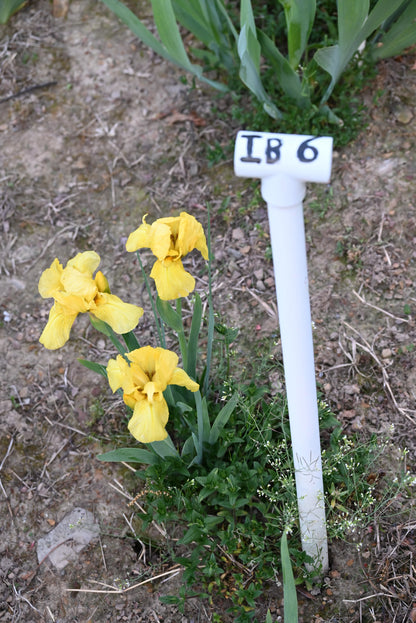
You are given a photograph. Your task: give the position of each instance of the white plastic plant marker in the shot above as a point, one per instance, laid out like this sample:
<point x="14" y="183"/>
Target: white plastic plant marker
<point x="284" y="163"/>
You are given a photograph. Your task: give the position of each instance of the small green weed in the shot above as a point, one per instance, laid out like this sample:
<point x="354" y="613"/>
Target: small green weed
<point x="217" y="153"/>
<point x="323" y="202"/>
<point x="409" y="348"/>
<point x="15" y="402"/>
<point x="97" y="411"/>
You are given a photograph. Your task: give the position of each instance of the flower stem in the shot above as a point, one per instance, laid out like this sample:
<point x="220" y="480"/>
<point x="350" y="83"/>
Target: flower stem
<point x="181" y="337"/>
<point x="105" y="329"/>
<point x="210" y="305"/>
<point x="200" y="423"/>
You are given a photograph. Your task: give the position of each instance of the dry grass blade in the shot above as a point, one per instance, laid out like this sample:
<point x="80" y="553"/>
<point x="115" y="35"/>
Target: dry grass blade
<point x="171" y="572"/>
<point x="383" y="311"/>
<point x="366" y="347"/>
<point x="120" y="489"/>
<point x="272" y="312"/>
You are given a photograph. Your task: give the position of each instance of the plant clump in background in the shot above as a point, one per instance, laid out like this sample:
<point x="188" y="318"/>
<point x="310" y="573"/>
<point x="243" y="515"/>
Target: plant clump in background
<point x="303" y="62"/>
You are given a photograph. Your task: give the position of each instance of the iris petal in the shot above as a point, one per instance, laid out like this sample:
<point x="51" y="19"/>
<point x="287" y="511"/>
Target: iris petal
<point x="122" y="317"/>
<point x="191" y="236"/>
<point x="160" y="241"/>
<point x="149" y="420"/>
<point x="139" y="239"/>
<point x="102" y="282"/>
<point x="180" y="377"/>
<point x="86" y="262"/>
<point x="71" y="303"/>
<point x="57" y="330"/>
<point x="50" y="280"/>
<point x="172" y="280"/>
<point x="165" y="367"/>
<point x="145" y="358"/>
<point x="120" y="374"/>
<point x="81" y="284"/>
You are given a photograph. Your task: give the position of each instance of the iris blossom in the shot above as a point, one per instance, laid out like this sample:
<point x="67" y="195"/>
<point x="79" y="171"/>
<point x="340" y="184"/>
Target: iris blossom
<point x="170" y="239"/>
<point x="75" y="291"/>
<point x="143" y="382"/>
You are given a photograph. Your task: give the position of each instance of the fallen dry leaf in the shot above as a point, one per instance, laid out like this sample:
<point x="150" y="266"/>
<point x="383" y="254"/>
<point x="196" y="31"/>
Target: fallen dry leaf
<point x="174" y="116"/>
<point x="60" y="8"/>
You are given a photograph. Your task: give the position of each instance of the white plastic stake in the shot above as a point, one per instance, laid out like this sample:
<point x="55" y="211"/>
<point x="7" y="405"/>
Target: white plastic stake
<point x="284" y="163"/>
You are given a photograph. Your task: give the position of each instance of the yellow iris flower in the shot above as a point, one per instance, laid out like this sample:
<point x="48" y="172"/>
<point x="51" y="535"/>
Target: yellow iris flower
<point x="170" y="239"/>
<point x="76" y="291"/>
<point x="143" y="382"/>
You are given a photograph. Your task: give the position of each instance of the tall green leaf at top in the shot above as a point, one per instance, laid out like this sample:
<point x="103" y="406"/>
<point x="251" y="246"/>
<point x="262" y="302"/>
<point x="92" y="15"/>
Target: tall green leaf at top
<point x="354" y="26"/>
<point x="9" y="7"/>
<point x="249" y="52"/>
<point x="400" y="35"/>
<point x="300" y="15"/>
<point x="210" y="24"/>
<point x="171" y="46"/>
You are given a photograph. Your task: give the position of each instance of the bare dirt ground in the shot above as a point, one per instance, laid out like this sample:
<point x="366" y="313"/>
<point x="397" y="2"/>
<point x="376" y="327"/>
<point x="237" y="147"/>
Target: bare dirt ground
<point x="114" y="135"/>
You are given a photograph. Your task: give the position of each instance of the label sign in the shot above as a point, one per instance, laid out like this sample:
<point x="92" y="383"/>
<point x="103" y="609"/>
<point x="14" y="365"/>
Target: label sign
<point x="263" y="154"/>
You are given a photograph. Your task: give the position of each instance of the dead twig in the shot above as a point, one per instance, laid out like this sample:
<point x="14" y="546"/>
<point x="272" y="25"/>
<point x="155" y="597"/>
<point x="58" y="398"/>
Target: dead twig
<point x="8" y="452"/>
<point x="34" y="87"/>
<point x="356" y="601"/>
<point x="75" y="430"/>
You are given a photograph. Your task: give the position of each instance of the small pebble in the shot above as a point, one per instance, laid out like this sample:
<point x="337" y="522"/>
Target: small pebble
<point x="403" y="115"/>
<point x="351" y="389"/>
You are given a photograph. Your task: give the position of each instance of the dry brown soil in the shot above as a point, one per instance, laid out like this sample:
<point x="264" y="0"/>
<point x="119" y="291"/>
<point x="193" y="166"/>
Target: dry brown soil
<point x="117" y="135"/>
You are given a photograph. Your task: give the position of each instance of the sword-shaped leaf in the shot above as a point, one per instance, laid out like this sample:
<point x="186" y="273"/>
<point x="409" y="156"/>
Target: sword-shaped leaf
<point x="300" y="15"/>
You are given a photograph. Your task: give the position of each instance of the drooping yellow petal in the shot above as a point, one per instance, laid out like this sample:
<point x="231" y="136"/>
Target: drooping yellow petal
<point x="86" y="262"/>
<point x="172" y="280"/>
<point x="149" y="420"/>
<point x="58" y="327"/>
<point x="50" y="280"/>
<point x="180" y="377"/>
<point x="120" y="375"/>
<point x="122" y="317"/>
<point x="191" y="236"/>
<point x="79" y="283"/>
